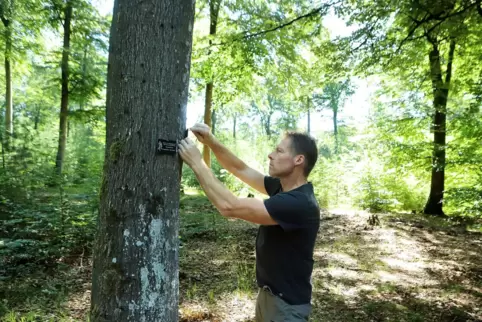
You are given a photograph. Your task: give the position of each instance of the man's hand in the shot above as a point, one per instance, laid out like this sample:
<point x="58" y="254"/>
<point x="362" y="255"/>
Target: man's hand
<point x="189" y="152"/>
<point x="202" y="133"/>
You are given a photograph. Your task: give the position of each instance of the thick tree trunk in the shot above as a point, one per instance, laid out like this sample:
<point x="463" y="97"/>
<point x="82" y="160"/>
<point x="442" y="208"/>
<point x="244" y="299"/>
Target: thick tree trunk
<point x="64" y="101"/>
<point x="335" y="128"/>
<point x="214" y="12"/>
<point x="8" y="81"/>
<point x="135" y="274"/>
<point x="434" y="205"/>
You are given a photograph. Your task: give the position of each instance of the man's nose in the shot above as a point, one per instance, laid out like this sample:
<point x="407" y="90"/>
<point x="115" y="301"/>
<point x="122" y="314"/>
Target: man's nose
<point x="270" y="157"/>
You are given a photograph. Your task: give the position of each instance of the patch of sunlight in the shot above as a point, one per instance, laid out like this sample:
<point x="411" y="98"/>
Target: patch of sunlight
<point x="343" y="258"/>
<point x="318" y="271"/>
<point x="432" y="238"/>
<point x="345" y="292"/>
<point x="408" y="242"/>
<point x="395" y="263"/>
<point x="236" y="306"/>
<point x="387" y="277"/>
<point x="387" y="236"/>
<point x="409" y="256"/>
<point x="191" y="192"/>
<point x="344" y="273"/>
<point x="349" y="292"/>
<point x="193" y="311"/>
<point x="441" y="265"/>
<point x="319" y="253"/>
<point x="340" y="211"/>
<point x="367" y="288"/>
<point x="218" y="262"/>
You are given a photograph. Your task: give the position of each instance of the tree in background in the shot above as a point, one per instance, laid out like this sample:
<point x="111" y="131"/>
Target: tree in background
<point x="390" y="39"/>
<point x="333" y="98"/>
<point x="7" y="15"/>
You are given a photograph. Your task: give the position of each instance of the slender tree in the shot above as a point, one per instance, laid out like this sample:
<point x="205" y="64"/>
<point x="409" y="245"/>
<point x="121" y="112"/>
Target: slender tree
<point x="213" y="14"/>
<point x="64" y="101"/>
<point x="6" y="15"/>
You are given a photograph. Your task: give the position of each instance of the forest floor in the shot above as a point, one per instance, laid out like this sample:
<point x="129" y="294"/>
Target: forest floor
<point x="410" y="268"/>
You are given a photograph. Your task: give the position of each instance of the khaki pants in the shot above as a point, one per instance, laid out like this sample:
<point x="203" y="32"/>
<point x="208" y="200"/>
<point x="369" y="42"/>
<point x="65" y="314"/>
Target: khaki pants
<point x="271" y="308"/>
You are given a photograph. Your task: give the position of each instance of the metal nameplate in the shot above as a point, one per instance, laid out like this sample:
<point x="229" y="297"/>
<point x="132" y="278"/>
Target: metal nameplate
<point x="168" y="146"/>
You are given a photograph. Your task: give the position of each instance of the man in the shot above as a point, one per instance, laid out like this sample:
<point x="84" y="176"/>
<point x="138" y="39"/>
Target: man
<point x="289" y="220"/>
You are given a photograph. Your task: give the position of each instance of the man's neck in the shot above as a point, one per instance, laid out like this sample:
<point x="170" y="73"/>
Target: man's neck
<point x="292" y="182"/>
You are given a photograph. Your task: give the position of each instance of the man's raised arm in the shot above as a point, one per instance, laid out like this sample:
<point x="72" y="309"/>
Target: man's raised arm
<point x="228" y="160"/>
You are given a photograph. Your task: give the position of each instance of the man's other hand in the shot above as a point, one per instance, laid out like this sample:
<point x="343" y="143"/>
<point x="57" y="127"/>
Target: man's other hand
<point x="189" y="152"/>
<point x="202" y="133"/>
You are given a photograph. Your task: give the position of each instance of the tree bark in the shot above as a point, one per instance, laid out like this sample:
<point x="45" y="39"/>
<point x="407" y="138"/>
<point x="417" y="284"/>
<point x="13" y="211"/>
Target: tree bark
<point x="213" y="129"/>
<point x="8" y="80"/>
<point x="135" y="273"/>
<point x="214" y="12"/>
<point x="64" y="101"/>
<point x="434" y="205"/>
<point x="37" y="117"/>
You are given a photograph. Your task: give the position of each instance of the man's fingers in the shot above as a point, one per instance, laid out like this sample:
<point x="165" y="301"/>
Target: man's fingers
<point x="182" y="145"/>
<point x="185" y="143"/>
<point x="199" y="127"/>
<point x="197" y="134"/>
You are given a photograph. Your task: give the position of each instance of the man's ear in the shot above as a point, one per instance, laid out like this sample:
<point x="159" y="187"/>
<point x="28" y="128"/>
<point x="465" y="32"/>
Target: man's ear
<point x="299" y="159"/>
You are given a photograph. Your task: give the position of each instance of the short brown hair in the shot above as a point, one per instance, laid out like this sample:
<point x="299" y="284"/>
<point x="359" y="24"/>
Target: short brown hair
<point x="304" y="144"/>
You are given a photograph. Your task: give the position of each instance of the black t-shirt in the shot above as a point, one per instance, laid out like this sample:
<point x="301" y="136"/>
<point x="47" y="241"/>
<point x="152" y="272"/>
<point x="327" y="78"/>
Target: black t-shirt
<point x="284" y="252"/>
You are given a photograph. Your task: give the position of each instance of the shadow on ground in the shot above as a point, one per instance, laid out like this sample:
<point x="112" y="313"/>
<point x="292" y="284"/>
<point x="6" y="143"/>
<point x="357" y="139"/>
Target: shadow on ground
<point x="403" y="270"/>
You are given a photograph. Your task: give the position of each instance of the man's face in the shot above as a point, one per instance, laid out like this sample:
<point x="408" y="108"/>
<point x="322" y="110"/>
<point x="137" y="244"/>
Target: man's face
<point x="282" y="161"/>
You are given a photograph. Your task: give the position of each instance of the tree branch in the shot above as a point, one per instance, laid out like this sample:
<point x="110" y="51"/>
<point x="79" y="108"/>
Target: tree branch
<point x="247" y="35"/>
<point x="429" y="18"/>
<point x="448" y="75"/>
<point x="369" y="32"/>
<point x="479" y="6"/>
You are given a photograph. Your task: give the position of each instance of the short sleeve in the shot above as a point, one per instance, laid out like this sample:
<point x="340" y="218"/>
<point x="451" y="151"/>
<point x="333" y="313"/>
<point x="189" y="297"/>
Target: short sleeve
<point x="272" y="185"/>
<point x="290" y="210"/>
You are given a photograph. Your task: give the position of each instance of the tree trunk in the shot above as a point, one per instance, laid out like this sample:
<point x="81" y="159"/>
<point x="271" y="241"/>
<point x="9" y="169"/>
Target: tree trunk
<point x="440" y="88"/>
<point x="8" y="81"/>
<point x="135" y="273"/>
<point x="64" y="101"/>
<point x="3" y="151"/>
<point x="234" y="126"/>
<point x="84" y="75"/>
<point x="335" y="128"/>
<point x="213" y="128"/>
<point x="266" y="121"/>
<point x="214" y="12"/>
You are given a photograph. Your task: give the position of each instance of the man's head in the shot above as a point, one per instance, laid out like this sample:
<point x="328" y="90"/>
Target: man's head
<point x="297" y="152"/>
